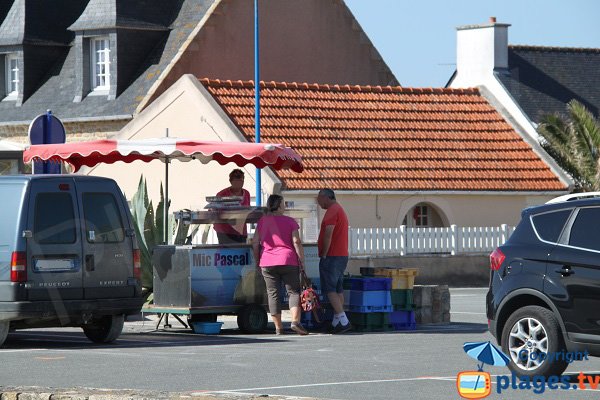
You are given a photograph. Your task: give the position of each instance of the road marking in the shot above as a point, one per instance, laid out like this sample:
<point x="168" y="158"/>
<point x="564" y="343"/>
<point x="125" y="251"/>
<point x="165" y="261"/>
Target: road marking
<point x="22" y="350"/>
<point x="335" y="383"/>
<point x="49" y="358"/>
<point x="420" y="378"/>
<point x="467" y="312"/>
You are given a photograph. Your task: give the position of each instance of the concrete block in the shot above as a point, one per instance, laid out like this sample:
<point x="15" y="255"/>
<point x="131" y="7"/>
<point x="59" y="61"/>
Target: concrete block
<point x="446" y="318"/>
<point x="9" y="396"/>
<point x="422" y="295"/>
<point x="423" y="315"/>
<point x="34" y="396"/>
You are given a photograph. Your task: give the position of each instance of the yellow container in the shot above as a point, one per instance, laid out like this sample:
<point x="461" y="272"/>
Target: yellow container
<point x="402" y="278"/>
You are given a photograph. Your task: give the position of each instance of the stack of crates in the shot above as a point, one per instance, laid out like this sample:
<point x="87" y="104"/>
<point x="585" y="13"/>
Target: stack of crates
<point x="309" y="320"/>
<point x="368" y="302"/>
<point x="403" y="280"/>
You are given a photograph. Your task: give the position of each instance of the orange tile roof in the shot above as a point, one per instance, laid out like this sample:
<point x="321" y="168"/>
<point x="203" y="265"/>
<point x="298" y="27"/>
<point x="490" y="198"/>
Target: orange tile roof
<point x="388" y="138"/>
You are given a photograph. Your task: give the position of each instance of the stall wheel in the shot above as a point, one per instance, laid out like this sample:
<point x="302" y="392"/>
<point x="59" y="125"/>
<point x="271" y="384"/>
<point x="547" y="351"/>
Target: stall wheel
<point x="252" y="318"/>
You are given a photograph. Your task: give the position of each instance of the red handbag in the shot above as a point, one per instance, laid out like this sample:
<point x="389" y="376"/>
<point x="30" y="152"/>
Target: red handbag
<point x="309" y="299"/>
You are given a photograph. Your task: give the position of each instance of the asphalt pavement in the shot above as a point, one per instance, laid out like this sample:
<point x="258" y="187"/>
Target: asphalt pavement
<point x="174" y="362"/>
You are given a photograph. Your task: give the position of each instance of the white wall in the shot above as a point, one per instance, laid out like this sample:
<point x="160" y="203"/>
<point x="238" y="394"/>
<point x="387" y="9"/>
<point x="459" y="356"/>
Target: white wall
<point x="188" y="111"/>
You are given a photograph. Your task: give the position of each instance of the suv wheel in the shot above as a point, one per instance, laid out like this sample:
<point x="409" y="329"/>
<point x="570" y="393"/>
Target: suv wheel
<point x="529" y="335"/>
<point x="105" y="329"/>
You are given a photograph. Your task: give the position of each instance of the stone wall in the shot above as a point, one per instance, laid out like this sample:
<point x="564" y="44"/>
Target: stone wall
<point x="76" y="131"/>
<point x="454" y="271"/>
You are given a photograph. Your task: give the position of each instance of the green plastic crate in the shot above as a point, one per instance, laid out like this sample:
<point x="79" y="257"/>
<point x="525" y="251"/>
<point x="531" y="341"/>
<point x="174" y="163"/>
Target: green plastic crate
<point x="368" y="319"/>
<point x="402" y="299"/>
<point x="372" y="328"/>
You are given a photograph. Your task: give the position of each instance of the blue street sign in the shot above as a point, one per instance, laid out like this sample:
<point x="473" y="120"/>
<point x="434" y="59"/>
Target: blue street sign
<point x="46" y="129"/>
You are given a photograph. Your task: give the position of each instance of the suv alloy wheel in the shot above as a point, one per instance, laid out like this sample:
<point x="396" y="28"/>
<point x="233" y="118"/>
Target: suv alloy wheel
<point x="529" y="334"/>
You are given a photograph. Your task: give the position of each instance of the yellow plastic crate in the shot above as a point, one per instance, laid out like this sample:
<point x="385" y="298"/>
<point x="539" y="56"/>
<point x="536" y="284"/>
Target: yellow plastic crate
<point x="402" y="278"/>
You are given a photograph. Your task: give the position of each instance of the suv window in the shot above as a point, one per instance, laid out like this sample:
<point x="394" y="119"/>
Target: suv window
<point x="102" y="216"/>
<point x="549" y="225"/>
<point x="54" y="219"/>
<point x="585" y="232"/>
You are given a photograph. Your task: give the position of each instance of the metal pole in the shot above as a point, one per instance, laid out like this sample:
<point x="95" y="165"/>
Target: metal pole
<point x="166" y="199"/>
<point x="47" y="137"/>
<point x="257" y="102"/>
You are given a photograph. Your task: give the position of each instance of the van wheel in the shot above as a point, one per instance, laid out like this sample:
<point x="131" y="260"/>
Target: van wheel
<point x="4" y="326"/>
<point x="529" y="334"/>
<point x="105" y="329"/>
<point x="252" y="318"/>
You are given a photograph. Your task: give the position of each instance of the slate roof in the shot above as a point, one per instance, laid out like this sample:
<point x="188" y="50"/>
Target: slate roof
<point x="388" y="138"/>
<point x="148" y="14"/>
<point x="58" y="90"/>
<point x="34" y="22"/>
<point x="542" y="80"/>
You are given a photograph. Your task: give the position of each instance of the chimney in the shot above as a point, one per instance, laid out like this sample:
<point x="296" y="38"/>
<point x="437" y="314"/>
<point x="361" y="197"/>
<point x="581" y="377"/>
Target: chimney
<point x="481" y="49"/>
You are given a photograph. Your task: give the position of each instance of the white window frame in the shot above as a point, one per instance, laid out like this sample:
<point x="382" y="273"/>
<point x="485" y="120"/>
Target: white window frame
<point x="100" y="82"/>
<point x="12" y="76"/>
<point x="422" y="214"/>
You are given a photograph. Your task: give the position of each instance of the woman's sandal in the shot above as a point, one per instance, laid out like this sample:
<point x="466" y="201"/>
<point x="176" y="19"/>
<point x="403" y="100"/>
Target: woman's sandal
<point x="299" y="329"/>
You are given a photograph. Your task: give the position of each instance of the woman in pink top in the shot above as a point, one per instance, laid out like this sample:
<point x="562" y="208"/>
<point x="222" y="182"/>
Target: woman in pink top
<point x="278" y="249"/>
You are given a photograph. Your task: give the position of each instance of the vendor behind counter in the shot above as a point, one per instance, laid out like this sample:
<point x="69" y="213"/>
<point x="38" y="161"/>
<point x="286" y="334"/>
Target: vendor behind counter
<point x="226" y="233"/>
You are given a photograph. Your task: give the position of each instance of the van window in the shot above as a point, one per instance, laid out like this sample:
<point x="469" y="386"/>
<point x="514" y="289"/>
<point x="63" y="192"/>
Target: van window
<point x="102" y="216"/>
<point x="54" y="219"/>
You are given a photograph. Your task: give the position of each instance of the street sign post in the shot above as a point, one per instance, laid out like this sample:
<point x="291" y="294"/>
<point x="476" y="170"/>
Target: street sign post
<point x="46" y="129"/>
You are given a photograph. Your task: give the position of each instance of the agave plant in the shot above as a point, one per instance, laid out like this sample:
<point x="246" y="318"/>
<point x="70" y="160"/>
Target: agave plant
<point x="149" y="230"/>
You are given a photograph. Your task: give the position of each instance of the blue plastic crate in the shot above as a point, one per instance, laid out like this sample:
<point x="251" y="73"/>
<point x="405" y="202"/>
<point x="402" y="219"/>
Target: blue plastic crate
<point x="207" y="328"/>
<point x="376" y="298"/>
<point x="368" y="309"/>
<point x="403" y="320"/>
<point x="309" y="321"/>
<point x="368" y="284"/>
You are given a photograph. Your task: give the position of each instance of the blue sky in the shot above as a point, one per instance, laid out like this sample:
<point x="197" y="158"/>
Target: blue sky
<point x="417" y="39"/>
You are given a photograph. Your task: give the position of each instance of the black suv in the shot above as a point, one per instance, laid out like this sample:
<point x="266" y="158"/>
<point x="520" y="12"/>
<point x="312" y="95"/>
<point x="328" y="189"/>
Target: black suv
<point x="543" y="303"/>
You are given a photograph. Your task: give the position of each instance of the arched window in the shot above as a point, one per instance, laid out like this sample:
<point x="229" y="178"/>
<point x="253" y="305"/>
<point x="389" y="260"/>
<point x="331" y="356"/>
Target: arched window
<point x="424" y="215"/>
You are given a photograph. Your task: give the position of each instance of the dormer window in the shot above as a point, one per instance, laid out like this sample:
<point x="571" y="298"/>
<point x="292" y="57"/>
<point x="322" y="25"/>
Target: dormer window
<point x="12" y="76"/>
<point x="100" y="64"/>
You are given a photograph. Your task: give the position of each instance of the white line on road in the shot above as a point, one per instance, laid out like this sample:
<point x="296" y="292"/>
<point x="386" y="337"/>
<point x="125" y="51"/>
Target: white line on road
<point x="421" y="378"/>
<point x="467" y="312"/>
<point x="336" y="383"/>
<point x="22" y="350"/>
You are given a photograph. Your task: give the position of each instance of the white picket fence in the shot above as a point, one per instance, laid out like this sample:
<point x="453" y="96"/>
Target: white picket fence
<point x="449" y="240"/>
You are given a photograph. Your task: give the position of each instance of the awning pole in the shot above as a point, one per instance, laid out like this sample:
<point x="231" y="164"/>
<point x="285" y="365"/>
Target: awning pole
<point x="166" y="199"/>
<point x="257" y="102"/>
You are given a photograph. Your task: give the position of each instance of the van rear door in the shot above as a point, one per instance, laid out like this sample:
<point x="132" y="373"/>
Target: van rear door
<point x="54" y="249"/>
<point x="107" y="249"/>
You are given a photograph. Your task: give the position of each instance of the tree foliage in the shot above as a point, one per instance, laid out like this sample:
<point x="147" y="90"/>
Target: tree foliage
<point x="574" y="143"/>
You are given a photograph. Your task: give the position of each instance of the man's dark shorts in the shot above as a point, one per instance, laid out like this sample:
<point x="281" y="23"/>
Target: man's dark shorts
<point x="331" y="271"/>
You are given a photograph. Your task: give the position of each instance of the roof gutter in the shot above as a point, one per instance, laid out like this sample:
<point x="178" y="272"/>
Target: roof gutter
<point x="431" y="192"/>
<point x="78" y="119"/>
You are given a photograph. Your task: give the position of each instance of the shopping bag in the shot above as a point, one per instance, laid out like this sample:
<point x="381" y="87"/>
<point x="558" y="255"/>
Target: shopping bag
<point x="309" y="299"/>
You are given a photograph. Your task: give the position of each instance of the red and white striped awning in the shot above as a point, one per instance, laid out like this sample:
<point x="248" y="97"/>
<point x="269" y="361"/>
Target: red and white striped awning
<point x="90" y="153"/>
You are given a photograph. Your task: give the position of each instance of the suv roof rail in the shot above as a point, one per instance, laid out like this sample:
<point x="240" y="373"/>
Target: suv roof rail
<point x="573" y="196"/>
